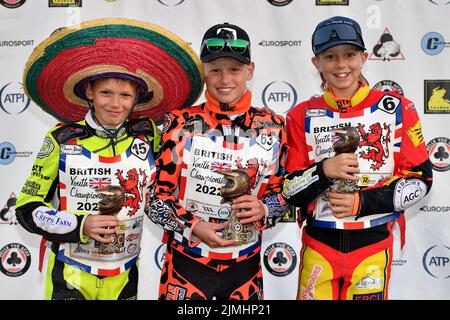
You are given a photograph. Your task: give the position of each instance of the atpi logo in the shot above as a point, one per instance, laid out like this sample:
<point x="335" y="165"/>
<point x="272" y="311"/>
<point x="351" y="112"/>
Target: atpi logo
<point x="280" y="96"/>
<point x="436" y="261"/>
<point x="15" y="259"/>
<point x="433" y="43"/>
<point x="280" y="259"/>
<point x="13" y="100"/>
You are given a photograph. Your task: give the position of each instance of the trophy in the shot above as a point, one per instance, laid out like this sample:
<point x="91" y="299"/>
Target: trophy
<point x="237" y="183"/>
<point x="345" y="140"/>
<point x="111" y="204"/>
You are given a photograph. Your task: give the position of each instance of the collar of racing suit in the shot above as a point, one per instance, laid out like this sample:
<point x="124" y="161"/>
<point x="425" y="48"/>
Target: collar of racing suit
<point x="343" y="104"/>
<point x="99" y="131"/>
<point x="238" y="113"/>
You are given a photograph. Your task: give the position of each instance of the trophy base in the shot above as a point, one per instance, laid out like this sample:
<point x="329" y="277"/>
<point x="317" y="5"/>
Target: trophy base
<point x="240" y="238"/>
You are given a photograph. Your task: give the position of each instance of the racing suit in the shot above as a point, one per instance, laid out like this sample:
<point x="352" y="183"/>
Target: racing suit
<point x="350" y="258"/>
<point x="75" y="160"/>
<point x="197" y="143"/>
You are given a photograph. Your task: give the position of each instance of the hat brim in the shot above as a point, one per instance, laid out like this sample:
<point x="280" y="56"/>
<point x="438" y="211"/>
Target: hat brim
<point x="213" y="56"/>
<point x="171" y="70"/>
<point x="336" y="43"/>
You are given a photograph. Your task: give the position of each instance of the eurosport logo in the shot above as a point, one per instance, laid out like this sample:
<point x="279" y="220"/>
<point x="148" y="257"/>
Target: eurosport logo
<point x="160" y="255"/>
<point x="15" y="259"/>
<point x="279" y="3"/>
<point x="12" y="4"/>
<point x="435" y="209"/>
<point x="171" y="3"/>
<point x="280" y="259"/>
<point x="280" y="96"/>
<point x="13" y="99"/>
<point x="439" y="153"/>
<point x="280" y="43"/>
<point x="433" y="43"/>
<point x="436" y="261"/>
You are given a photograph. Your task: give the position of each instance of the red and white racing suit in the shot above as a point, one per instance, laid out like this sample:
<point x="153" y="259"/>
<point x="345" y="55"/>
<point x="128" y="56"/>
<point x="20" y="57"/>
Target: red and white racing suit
<point x="197" y="143"/>
<point x="350" y="258"/>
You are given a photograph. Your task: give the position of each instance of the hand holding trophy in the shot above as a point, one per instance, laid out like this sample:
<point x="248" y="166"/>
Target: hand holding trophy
<point x="111" y="204"/>
<point x="346" y="140"/>
<point x="237" y="183"/>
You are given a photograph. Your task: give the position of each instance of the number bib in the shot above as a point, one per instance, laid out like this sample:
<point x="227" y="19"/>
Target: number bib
<point x="81" y="173"/>
<point x="205" y="156"/>
<point x="380" y="130"/>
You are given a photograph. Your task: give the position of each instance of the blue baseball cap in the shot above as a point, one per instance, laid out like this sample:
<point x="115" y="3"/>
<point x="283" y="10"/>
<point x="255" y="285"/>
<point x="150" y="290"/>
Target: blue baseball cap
<point x="335" y="31"/>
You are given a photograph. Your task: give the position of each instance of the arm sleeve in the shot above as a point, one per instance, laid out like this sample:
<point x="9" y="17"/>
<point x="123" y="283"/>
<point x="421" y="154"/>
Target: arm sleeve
<point x="413" y="175"/>
<point x="165" y="209"/>
<point x="305" y="180"/>
<point x="36" y="210"/>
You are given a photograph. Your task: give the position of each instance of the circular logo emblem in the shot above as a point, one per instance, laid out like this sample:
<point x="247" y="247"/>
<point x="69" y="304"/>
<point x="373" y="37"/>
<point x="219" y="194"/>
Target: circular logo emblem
<point x="7" y="153"/>
<point x="280" y="259"/>
<point x="388" y="85"/>
<point x="439" y="153"/>
<point x="15" y="259"/>
<point x="160" y="255"/>
<point x="279" y="3"/>
<point x="279" y="95"/>
<point x="224" y="213"/>
<point x="436" y="262"/>
<point x="13" y="99"/>
<point x="237" y="227"/>
<point x="432" y="43"/>
<point x="12" y="4"/>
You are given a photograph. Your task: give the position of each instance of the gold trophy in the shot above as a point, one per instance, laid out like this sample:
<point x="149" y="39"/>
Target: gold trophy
<point x="346" y="140"/>
<point x="237" y="183"/>
<point x="111" y="204"/>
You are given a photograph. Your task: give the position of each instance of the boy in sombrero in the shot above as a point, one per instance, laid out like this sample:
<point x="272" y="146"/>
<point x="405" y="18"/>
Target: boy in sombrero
<point x="104" y="79"/>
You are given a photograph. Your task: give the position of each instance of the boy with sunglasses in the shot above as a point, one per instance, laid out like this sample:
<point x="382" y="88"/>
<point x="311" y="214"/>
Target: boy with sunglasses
<point x="198" y="144"/>
<point x="347" y="242"/>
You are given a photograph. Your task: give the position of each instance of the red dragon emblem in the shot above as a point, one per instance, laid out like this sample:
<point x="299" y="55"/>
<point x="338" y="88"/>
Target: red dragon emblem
<point x="377" y="144"/>
<point x="132" y="188"/>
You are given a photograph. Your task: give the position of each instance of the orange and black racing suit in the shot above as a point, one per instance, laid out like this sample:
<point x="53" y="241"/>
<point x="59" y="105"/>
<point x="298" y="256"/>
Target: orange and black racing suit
<point x="350" y="258"/>
<point x="197" y="143"/>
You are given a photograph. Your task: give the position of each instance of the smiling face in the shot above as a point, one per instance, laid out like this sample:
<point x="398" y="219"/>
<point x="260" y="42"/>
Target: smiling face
<point x="341" y="67"/>
<point x="113" y="99"/>
<point x="226" y="79"/>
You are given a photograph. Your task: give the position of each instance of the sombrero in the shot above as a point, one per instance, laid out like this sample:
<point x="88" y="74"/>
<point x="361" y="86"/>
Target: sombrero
<point x="168" y="71"/>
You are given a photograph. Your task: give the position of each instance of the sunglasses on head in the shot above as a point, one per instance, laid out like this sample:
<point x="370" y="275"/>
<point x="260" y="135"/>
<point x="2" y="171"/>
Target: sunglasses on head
<point x="216" y="45"/>
<point x="342" y="31"/>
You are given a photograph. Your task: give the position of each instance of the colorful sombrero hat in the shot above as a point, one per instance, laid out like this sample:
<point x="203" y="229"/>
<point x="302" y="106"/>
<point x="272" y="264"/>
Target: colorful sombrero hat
<point x="169" y="72"/>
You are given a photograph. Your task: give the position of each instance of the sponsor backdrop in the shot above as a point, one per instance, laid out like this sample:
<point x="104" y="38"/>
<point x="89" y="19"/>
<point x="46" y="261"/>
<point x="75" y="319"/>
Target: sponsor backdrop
<point x="409" y="49"/>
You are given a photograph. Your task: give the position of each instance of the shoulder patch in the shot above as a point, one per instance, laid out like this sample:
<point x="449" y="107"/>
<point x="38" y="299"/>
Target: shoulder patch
<point x="69" y="132"/>
<point x="140" y="126"/>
